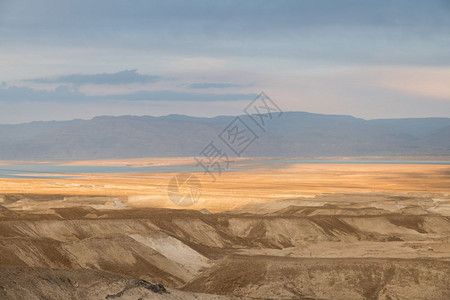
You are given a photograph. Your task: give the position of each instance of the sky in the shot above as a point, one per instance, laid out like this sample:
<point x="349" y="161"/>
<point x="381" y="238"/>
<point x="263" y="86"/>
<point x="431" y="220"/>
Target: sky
<point x="62" y="59"/>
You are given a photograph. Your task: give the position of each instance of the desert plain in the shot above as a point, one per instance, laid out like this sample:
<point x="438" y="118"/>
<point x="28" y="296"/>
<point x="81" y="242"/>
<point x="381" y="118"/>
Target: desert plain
<point x="263" y="230"/>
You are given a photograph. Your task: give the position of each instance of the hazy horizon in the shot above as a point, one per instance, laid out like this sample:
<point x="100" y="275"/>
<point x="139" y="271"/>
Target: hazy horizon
<point x="213" y="116"/>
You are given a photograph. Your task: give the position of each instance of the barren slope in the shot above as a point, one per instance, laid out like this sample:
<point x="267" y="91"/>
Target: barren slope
<point x="372" y="246"/>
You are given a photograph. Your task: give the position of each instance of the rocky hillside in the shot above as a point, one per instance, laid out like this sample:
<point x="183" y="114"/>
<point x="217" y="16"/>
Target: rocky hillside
<point x="388" y="247"/>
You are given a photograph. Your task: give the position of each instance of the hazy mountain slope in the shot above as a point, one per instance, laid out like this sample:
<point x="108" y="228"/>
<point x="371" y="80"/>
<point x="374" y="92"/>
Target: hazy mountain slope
<point x="292" y="134"/>
<point x="415" y="128"/>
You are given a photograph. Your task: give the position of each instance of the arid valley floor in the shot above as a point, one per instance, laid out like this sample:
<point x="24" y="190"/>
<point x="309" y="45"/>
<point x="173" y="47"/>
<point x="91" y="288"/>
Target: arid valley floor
<point x="265" y="231"/>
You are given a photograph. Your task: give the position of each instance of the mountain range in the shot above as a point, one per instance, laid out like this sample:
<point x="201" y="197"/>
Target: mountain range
<point x="291" y="134"/>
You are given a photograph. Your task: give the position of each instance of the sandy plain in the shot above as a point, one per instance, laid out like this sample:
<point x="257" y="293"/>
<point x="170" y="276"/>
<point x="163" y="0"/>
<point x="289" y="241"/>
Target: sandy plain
<point x="256" y="183"/>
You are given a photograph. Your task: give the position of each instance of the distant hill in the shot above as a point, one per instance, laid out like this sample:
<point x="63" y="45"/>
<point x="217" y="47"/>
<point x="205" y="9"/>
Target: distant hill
<point x="292" y="134"/>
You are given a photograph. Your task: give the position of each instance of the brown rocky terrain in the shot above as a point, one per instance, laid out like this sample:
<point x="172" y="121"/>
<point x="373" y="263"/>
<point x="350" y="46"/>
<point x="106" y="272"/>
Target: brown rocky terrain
<point x="309" y="231"/>
<point x="346" y="246"/>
